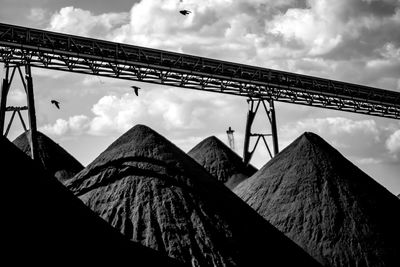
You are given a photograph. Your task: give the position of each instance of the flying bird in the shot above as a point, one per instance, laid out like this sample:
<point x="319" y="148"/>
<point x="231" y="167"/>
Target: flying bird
<point x="136" y="90"/>
<point x="185" y="12"/>
<point x="56" y="103"/>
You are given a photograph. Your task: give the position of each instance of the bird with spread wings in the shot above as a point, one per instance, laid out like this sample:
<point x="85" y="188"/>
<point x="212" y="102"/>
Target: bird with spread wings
<point x="56" y="103"/>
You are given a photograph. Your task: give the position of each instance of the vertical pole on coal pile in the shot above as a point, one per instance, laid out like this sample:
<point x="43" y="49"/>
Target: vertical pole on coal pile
<point x="5" y="87"/>
<point x="31" y="111"/>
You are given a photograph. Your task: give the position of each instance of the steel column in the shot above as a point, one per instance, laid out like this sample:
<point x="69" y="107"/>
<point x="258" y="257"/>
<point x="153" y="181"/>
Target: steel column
<point x="3" y="101"/>
<point x="31" y="111"/>
<point x="28" y="86"/>
<point x="270" y="110"/>
<point x="273" y="127"/>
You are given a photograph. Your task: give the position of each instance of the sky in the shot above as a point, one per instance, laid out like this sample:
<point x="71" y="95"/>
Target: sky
<point x="354" y="41"/>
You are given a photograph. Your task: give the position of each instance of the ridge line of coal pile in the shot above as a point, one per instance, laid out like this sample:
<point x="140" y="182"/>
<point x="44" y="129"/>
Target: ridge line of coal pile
<point x="45" y="223"/>
<point x="163" y="199"/>
<point x="221" y="161"/>
<point x="51" y="156"/>
<point x="327" y="205"/>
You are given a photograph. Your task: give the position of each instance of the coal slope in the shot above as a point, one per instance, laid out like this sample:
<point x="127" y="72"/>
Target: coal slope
<point x="223" y="163"/>
<point x="53" y="158"/>
<point x="43" y="223"/>
<point x="328" y="206"/>
<point x="157" y="195"/>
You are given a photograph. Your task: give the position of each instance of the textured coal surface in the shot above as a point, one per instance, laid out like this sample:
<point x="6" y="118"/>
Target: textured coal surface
<point x="223" y="163"/>
<point x="43" y="223"/>
<point x="53" y="158"/>
<point x="157" y="195"/>
<point x="328" y="206"/>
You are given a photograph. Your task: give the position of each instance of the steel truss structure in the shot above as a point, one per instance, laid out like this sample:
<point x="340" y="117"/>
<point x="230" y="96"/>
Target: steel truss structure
<point x="10" y="71"/>
<point x="50" y="50"/>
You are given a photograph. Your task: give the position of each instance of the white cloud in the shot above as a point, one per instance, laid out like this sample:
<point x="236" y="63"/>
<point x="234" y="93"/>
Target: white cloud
<point x="60" y="127"/>
<point x="170" y="109"/>
<point x="393" y="143"/>
<point x="368" y="161"/>
<point x="37" y="14"/>
<point x="336" y="126"/>
<point x="74" y="125"/>
<point x="316" y="32"/>
<point x="82" y="22"/>
<point x="17" y="97"/>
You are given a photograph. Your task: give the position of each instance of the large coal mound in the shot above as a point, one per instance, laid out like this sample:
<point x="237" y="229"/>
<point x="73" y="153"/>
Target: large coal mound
<point x="333" y="210"/>
<point x="45" y="224"/>
<point x="52" y="157"/>
<point x="157" y="195"/>
<point x="223" y="163"/>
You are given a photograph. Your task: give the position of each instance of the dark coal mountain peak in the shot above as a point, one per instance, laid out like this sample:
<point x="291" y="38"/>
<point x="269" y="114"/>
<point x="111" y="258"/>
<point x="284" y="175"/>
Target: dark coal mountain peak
<point x="47" y="225"/>
<point x="157" y="195"/>
<point x="53" y="158"/>
<point x="328" y="206"/>
<point x="219" y="160"/>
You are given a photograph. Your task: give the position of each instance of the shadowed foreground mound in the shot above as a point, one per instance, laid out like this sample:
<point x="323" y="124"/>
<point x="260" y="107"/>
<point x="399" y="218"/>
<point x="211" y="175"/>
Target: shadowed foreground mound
<point x="157" y="195"/>
<point x="328" y="206"/>
<point x="43" y="223"/>
<point x="53" y="158"/>
<point x="223" y="163"/>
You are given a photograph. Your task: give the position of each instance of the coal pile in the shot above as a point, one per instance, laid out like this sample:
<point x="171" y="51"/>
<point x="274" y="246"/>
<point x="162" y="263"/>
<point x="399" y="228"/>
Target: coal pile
<point x="157" y="195"/>
<point x="333" y="210"/>
<point x="52" y="157"/>
<point x="223" y="163"/>
<point x="44" y="224"/>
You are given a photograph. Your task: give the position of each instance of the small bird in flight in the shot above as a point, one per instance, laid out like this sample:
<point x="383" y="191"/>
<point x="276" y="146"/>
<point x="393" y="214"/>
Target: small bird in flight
<point x="185" y="12"/>
<point x="56" y="103"/>
<point x="136" y="90"/>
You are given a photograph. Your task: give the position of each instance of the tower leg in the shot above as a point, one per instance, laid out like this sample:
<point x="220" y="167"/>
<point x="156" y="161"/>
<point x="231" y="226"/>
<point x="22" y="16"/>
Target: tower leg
<point x="274" y="131"/>
<point x="270" y="110"/>
<point x="3" y="100"/>
<point x="250" y="118"/>
<point x="31" y="111"/>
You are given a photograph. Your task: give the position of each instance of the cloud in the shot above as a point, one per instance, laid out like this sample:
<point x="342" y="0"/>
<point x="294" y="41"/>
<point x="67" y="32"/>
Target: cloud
<point x="393" y="143"/>
<point x="37" y="15"/>
<point x="368" y="161"/>
<point x="75" y="125"/>
<point x="350" y="40"/>
<point x="82" y="22"/>
<point x="335" y="126"/>
<point x="17" y="97"/>
<point x="171" y="110"/>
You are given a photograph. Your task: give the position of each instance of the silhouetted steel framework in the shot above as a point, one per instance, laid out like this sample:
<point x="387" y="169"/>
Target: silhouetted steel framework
<point x="44" y="49"/>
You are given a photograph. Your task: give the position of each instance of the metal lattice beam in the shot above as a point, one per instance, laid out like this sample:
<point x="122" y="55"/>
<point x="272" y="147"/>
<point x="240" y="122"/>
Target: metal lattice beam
<point x="63" y="52"/>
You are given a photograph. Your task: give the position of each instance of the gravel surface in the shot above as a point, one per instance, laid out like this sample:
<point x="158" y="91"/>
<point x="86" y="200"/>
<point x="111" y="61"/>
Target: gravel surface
<point x="52" y="157"/>
<point x="333" y="210"/>
<point x="44" y="224"/>
<point x="157" y="195"/>
<point x="223" y="163"/>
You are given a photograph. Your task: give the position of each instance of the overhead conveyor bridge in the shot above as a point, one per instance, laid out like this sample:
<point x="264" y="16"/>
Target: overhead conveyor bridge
<point x="22" y="46"/>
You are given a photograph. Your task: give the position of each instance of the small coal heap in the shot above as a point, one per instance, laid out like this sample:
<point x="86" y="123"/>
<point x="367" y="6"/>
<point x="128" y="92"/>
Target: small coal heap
<point x="157" y="195"/>
<point x="44" y="224"/>
<point x="328" y="206"/>
<point x="53" y="158"/>
<point x="223" y="163"/>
